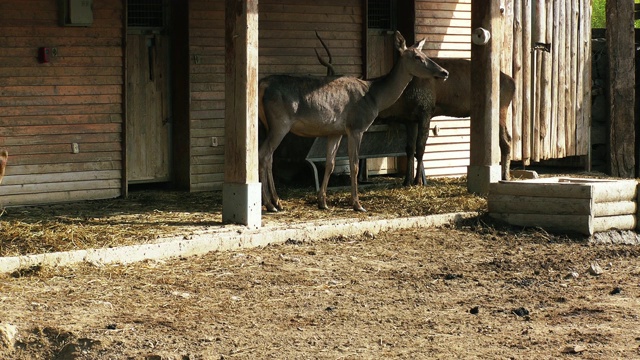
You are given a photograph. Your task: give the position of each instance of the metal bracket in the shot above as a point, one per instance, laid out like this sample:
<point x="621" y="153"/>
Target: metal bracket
<point x="542" y="46"/>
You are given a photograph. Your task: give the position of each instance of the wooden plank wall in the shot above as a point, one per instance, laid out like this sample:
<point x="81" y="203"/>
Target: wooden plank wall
<point x="446" y="24"/>
<point x="206" y="49"/>
<point x="76" y="98"/>
<point x="287" y="36"/>
<point x="287" y="40"/>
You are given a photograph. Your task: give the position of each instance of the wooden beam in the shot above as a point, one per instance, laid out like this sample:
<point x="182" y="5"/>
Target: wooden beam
<point x="621" y="50"/>
<point x="180" y="80"/>
<point x="485" y="84"/>
<point x="241" y="199"/>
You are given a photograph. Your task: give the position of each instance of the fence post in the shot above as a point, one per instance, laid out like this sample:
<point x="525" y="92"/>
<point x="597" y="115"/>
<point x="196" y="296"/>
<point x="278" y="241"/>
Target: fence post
<point x="621" y="50"/>
<point x="241" y="191"/>
<point x="484" y="159"/>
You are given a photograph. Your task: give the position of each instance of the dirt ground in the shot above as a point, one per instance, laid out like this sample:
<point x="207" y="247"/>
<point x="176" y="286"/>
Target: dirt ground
<point x="475" y="291"/>
<point x="479" y="290"/>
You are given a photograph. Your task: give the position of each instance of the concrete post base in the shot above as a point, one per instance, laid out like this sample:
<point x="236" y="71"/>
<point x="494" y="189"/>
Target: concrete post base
<point x="480" y="176"/>
<point x="242" y="204"/>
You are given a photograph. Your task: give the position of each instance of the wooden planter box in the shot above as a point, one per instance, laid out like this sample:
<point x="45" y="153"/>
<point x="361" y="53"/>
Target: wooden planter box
<point x="567" y="205"/>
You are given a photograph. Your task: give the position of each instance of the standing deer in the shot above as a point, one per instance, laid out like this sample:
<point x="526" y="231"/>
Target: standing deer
<point x="425" y="98"/>
<point x="332" y="106"/>
<point x="4" y="156"/>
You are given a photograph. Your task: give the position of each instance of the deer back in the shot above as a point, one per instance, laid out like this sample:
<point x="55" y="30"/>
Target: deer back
<point x="313" y="105"/>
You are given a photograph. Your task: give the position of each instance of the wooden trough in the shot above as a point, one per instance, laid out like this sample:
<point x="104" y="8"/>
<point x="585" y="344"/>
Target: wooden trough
<point x="567" y="205"/>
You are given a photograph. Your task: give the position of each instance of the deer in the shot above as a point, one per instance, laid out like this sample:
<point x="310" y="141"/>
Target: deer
<point x="425" y="98"/>
<point x="4" y="156"/>
<point x="332" y="106"/>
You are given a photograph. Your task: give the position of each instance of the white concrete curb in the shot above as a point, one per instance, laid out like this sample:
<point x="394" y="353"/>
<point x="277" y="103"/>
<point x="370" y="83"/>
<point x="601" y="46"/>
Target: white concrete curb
<point x="234" y="237"/>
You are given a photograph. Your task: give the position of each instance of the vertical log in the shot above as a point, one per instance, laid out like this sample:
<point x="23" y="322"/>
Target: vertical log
<point x="620" y="46"/>
<point x="547" y="133"/>
<point x="241" y="197"/>
<point x="565" y="78"/>
<point x="562" y="80"/>
<point x="506" y="51"/>
<point x="555" y="85"/>
<point x="583" y="92"/>
<point x="572" y="33"/>
<point x="485" y="82"/>
<point x="526" y="81"/>
<point x="538" y="36"/>
<point x="516" y="105"/>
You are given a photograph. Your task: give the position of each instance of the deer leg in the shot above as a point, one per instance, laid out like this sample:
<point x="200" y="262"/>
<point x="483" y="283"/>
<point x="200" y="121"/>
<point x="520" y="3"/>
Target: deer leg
<point x="505" y="145"/>
<point x="412" y="133"/>
<point x="355" y="138"/>
<point x="275" y="199"/>
<point x="265" y="154"/>
<point x="4" y="156"/>
<point x="333" y="143"/>
<point x="421" y="143"/>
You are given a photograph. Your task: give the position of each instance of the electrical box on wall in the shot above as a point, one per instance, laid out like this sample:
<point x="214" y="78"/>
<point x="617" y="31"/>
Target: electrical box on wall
<point x="76" y="12"/>
<point x="44" y="55"/>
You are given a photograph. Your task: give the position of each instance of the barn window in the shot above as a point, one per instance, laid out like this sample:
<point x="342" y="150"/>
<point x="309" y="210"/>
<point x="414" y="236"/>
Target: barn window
<point x="381" y="14"/>
<point x="145" y="13"/>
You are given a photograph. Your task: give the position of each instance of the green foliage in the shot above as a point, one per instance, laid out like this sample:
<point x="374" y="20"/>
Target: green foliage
<point x="599" y="14"/>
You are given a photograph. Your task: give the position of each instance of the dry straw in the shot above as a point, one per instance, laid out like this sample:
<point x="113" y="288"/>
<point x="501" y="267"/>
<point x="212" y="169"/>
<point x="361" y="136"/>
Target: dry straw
<point x="146" y="216"/>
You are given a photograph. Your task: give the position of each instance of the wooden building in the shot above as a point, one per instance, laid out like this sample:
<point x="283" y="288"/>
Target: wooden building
<point x="97" y="95"/>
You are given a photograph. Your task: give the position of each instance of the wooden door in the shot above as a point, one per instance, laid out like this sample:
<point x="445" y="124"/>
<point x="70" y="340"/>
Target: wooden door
<point x="148" y="113"/>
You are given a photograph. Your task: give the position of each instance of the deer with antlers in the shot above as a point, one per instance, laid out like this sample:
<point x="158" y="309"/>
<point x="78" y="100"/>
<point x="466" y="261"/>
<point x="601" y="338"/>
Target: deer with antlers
<point x="332" y="106"/>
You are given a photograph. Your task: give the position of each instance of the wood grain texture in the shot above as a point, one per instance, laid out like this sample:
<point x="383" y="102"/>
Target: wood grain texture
<point x="75" y="98"/>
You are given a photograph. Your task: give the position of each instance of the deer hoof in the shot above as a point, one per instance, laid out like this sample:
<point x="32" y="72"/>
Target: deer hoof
<point x="358" y="208"/>
<point x="322" y="202"/>
<point x="271" y="208"/>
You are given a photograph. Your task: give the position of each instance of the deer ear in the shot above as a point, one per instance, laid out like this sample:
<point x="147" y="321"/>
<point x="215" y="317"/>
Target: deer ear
<point x="401" y="44"/>
<point x="420" y="44"/>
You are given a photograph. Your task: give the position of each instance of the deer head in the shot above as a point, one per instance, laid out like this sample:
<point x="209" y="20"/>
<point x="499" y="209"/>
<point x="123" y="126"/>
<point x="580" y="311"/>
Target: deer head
<point x="416" y="62"/>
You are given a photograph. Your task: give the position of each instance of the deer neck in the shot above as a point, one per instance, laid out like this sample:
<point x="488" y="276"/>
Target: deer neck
<point x="387" y="89"/>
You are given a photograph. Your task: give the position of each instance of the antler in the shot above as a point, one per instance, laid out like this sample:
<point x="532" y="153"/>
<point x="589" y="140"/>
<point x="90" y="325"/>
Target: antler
<point x="330" y="70"/>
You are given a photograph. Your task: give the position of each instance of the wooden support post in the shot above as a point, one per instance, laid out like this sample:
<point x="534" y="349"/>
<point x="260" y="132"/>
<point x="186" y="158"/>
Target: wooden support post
<point x="484" y="165"/>
<point x="621" y="49"/>
<point x="241" y="192"/>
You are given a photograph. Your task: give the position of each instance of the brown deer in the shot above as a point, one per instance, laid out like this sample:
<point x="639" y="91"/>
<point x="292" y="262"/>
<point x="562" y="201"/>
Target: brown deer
<point x="425" y="98"/>
<point x="4" y="156"/>
<point x="332" y="106"/>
